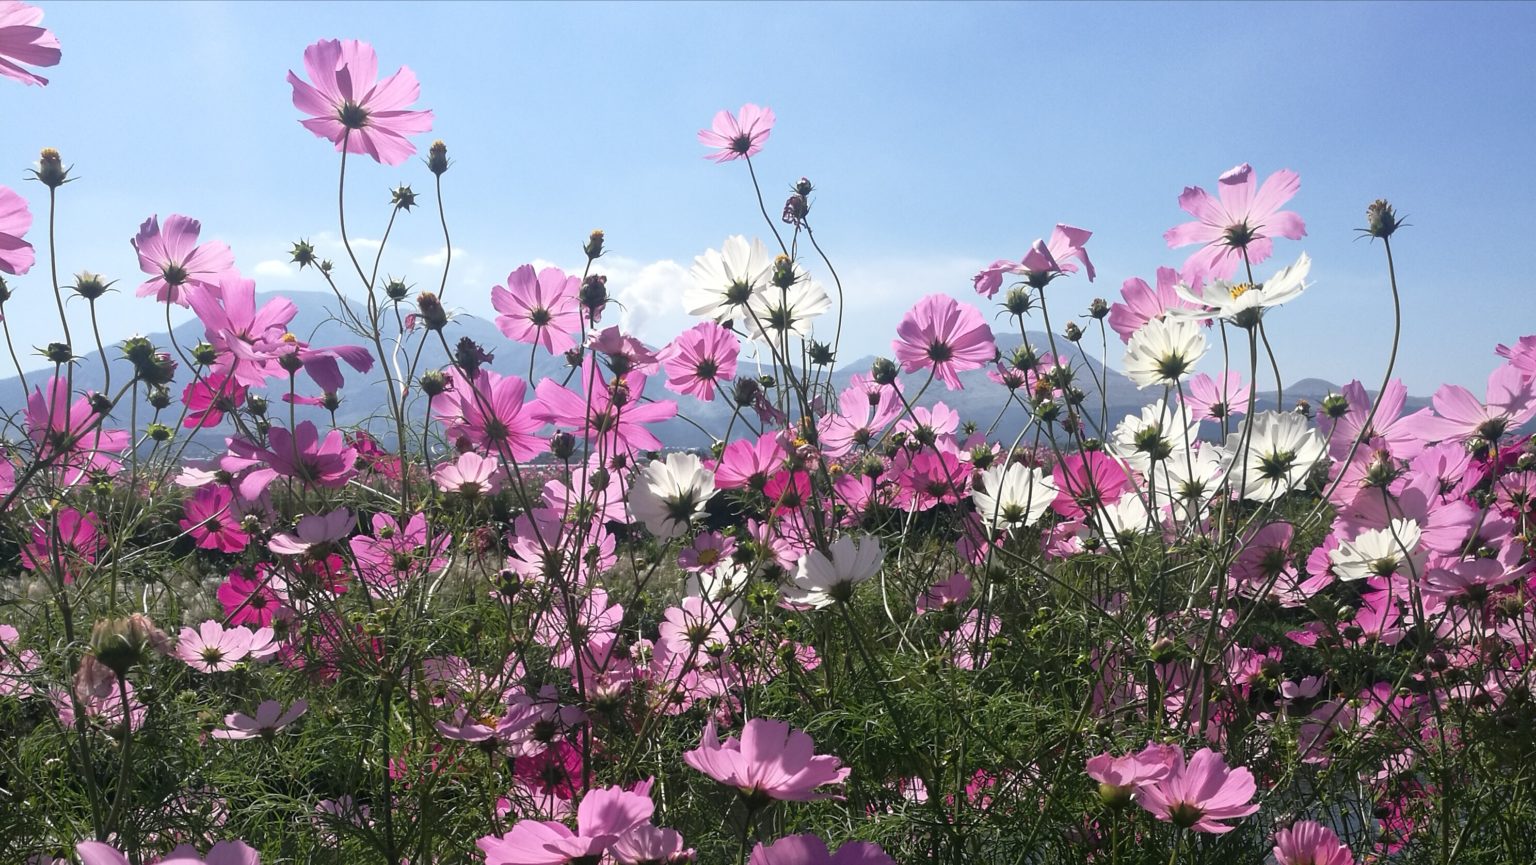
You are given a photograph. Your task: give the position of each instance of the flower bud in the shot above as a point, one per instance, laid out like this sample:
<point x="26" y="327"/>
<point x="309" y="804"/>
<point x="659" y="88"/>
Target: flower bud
<point x="783" y="272"/>
<point x="433" y="316"/>
<point x="50" y="169"/>
<point x="883" y="371"/>
<point x="594" y="295"/>
<point x="159" y="397"/>
<point x="1098" y="309"/>
<point x="1018" y="301"/>
<point x="395" y="289"/>
<point x="437" y="158"/>
<point x="160" y="432"/>
<point x="89" y="285"/>
<point x="821" y="354"/>
<point x="402" y="197"/>
<point x="470" y="356"/>
<point x="256" y="404"/>
<point x="1073" y="332"/>
<point x="1381" y="219"/>
<point x="5" y="291"/>
<point x="204" y="354"/>
<point x="303" y="253"/>
<point x="58" y="352"/>
<point x="1335" y="406"/>
<point x="593" y="248"/>
<point x="744" y="391"/>
<point x="100" y="403"/>
<point x="433" y="383"/>
<point x="119" y="644"/>
<point x="562" y="445"/>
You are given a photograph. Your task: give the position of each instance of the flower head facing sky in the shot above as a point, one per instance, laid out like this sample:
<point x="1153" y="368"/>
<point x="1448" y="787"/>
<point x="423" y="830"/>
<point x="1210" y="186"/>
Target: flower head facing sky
<point x="348" y="104"/>
<point x="735" y="136"/>
<point x="1241" y="222"/>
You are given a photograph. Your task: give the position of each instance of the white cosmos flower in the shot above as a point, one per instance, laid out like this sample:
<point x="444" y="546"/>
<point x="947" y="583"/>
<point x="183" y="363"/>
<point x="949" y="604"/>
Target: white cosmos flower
<point x="1380" y="552"/>
<point x="1118" y="523"/>
<point x="1188" y="482"/>
<point x="725" y="279"/>
<point x="671" y="493"/>
<point x="824" y="578"/>
<point x="724" y="586"/>
<point x="1163" y="351"/>
<point x="1281" y="449"/>
<point x="774" y="312"/>
<point x="1012" y="495"/>
<point x="1161" y="432"/>
<point x="1244" y="303"/>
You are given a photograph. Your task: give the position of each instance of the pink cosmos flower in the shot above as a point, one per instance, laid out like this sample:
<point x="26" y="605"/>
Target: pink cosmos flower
<point x="1142" y="303"/>
<point x="1042" y="263"/>
<point x="24" y="40"/>
<point x="1088" y="481"/>
<point x="71" y="433"/>
<point x="624" y="352"/>
<point x="67" y="540"/>
<point x="1216" y="398"/>
<point x="611" y="416"/>
<point x="1522" y="355"/>
<point x="1198" y="795"/>
<point x="603" y="815"/>
<point x="300" y="455"/>
<point x="212" y="521"/>
<point x="539" y="310"/>
<point x="490" y="413"/>
<point x="771" y="760"/>
<point x="700" y="357"/>
<point x="1241" y="220"/>
<point x="811" y="850"/>
<point x="211" y="648"/>
<point x="16" y="255"/>
<point x="469" y="475"/>
<point x="222" y="853"/>
<point x="1459" y="415"/>
<point x="735" y="137"/>
<point x="249" y="601"/>
<point x="207" y="398"/>
<point x="1309" y="843"/>
<point x="270" y="717"/>
<point x="174" y="260"/>
<point x="1118" y="777"/>
<point x="945" y="336"/>
<point x="314" y="530"/>
<point x="645" y="844"/>
<point x="242" y="333"/>
<point x="349" y="106"/>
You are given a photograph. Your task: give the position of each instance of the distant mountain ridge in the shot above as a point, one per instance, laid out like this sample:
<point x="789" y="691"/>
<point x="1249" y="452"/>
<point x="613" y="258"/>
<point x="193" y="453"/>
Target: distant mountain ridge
<point x="362" y="404"/>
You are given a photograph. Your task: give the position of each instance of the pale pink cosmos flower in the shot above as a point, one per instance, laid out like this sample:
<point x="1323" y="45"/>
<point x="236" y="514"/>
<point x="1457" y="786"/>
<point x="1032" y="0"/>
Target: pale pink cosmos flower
<point x="1042" y="263"/>
<point x="23" y="39"/>
<point x="222" y="853"/>
<point x="945" y="336"/>
<point x="269" y="718"/>
<point x="489" y="412"/>
<point x="349" y="106"/>
<point x="313" y="530"/>
<point x="1459" y="415"/>
<point x="1118" y="777"/>
<point x="771" y="760"/>
<point x="811" y="850"/>
<point x="212" y="649"/>
<point x="174" y="260"/>
<point x="699" y="358"/>
<point x="1522" y="355"/>
<point x="540" y="309"/>
<point x="16" y="255"/>
<point x="603" y="815"/>
<point x="1241" y="222"/>
<point x="645" y="844"/>
<point x="1200" y="794"/>
<point x="470" y="475"/>
<point x="737" y="136"/>
<point x="1309" y="843"/>
<point x="1142" y="303"/>
<point x="1217" y="398"/>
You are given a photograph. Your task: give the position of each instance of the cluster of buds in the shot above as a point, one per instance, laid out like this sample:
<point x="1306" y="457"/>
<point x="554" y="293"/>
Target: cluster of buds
<point x="153" y="367"/>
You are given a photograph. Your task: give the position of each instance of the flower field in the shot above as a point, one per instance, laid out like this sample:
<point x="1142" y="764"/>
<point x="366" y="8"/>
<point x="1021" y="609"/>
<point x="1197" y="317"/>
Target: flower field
<point x="510" y="618"/>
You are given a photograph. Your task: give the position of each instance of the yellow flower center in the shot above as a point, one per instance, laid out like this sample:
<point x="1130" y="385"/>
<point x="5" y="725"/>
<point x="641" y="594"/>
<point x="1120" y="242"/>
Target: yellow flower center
<point x="1241" y="289"/>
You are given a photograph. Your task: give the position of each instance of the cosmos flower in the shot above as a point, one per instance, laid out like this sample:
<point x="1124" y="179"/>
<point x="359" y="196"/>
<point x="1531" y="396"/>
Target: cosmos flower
<point x="1200" y="795"/>
<point x="16" y="255"/>
<point x="811" y="850"/>
<point x="269" y="718"/>
<point x="771" y="760"/>
<point x="1309" y="843"/>
<point x="1244" y="303"/>
<point x="1241" y="222"/>
<point x="669" y="494"/>
<point x="1011" y="495"/>
<point x="737" y="136"/>
<point x="723" y="281"/>
<point x="23" y="40"/>
<point x="699" y="358"/>
<point x="174" y="260"/>
<point x="945" y="336"/>
<point x="1163" y="352"/>
<point x="539" y="309"/>
<point x="349" y="106"/>
<point x="825" y="578"/>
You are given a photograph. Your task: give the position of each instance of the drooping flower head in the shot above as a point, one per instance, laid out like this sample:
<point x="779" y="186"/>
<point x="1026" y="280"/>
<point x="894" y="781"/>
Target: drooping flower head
<point x="1241" y="222"/>
<point x="737" y="136"/>
<point x="946" y="336"/>
<point x="349" y="106"/>
<point x="1042" y="263"/>
<point x="23" y="39"/>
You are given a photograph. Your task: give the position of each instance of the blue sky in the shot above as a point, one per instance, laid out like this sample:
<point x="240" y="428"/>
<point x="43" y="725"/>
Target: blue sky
<point x="939" y="136"/>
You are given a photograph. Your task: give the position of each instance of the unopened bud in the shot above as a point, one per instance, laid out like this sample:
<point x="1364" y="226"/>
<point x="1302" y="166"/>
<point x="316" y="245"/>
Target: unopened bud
<point x="402" y="197"/>
<point x="50" y="169"/>
<point x="883" y="371"/>
<point x="433" y="316"/>
<point x="303" y="253"/>
<point x="594" y="245"/>
<point x="1098" y="309"/>
<point x="396" y="289"/>
<point x="1381" y="219"/>
<point x="437" y="158"/>
<point x="433" y="383"/>
<point x="90" y="285"/>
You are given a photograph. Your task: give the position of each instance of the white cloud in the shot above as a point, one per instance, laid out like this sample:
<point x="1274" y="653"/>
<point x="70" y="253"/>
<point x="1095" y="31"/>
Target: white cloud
<point x="273" y="268"/>
<point x="439" y="258"/>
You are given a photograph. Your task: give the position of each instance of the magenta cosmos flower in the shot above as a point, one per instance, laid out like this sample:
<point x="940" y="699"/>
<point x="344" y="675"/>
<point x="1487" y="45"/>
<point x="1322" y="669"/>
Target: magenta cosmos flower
<point x="811" y="850"/>
<point x="946" y="336"/>
<point x="490" y="413"/>
<point x="301" y="455"/>
<point x="173" y="258"/>
<point x="734" y="137"/>
<point x="1198" y="795"/>
<point x="270" y="717"/>
<point x="1309" y="843"/>
<point x="22" y="40"/>
<point x="539" y="310"/>
<point x="16" y="255"/>
<point x="771" y="760"/>
<point x="699" y="358"/>
<point x="1242" y="219"/>
<point x="351" y="107"/>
